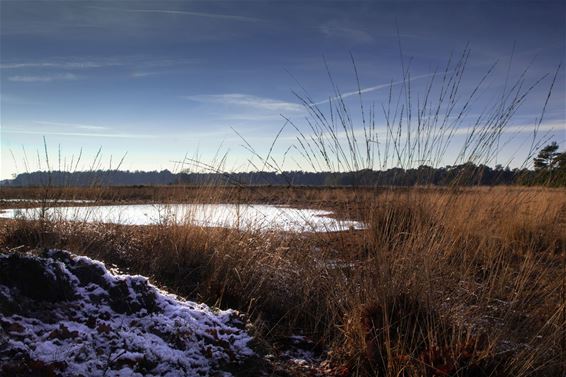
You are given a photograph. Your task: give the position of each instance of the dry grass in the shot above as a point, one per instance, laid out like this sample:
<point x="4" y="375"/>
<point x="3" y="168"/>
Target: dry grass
<point x="443" y="282"/>
<point x="316" y="196"/>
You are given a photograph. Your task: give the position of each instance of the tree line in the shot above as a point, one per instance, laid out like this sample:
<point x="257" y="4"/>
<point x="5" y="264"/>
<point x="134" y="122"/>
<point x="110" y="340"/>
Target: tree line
<point x="549" y="170"/>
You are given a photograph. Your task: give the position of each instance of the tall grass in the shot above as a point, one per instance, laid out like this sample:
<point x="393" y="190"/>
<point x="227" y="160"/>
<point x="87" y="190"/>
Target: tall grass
<point x="442" y="281"/>
<point x="471" y="279"/>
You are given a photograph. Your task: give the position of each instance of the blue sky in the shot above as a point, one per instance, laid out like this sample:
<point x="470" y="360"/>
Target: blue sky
<point x="161" y="80"/>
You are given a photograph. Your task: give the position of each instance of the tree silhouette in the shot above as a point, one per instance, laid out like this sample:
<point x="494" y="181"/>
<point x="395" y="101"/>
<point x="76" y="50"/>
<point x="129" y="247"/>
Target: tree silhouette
<point x="547" y="158"/>
<point x="550" y="165"/>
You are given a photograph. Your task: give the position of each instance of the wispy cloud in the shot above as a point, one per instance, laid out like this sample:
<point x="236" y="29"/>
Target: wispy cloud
<point x="336" y="30"/>
<point x="382" y="132"/>
<point x="74" y="125"/>
<point x="252" y="117"/>
<point x="44" y="78"/>
<point x="141" y="74"/>
<point x="84" y="134"/>
<point x="461" y="132"/>
<point x="92" y="62"/>
<point x="519" y="129"/>
<point x="84" y="64"/>
<point x="237" y="99"/>
<point x="372" y="89"/>
<point x="222" y="133"/>
<point x="230" y="17"/>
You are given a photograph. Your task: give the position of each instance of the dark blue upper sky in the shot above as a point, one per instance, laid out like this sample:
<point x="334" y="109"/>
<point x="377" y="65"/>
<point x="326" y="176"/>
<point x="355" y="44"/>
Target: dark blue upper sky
<point x="160" y="79"/>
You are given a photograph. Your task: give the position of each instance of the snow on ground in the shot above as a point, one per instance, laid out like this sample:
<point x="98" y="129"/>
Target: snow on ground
<point x="70" y="316"/>
<point x="301" y="352"/>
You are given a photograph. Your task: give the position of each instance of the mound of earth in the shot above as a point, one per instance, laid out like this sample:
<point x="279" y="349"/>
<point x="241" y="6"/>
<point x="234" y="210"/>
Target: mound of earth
<point x="62" y="314"/>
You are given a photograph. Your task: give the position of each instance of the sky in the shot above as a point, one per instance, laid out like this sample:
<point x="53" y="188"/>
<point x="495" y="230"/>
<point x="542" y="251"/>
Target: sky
<point x="158" y="81"/>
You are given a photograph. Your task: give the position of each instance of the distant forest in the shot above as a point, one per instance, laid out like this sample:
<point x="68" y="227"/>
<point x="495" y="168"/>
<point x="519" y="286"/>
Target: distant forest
<point x="465" y="174"/>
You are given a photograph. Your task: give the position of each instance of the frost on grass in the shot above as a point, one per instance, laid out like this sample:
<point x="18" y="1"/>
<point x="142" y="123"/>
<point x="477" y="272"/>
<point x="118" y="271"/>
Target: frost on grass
<point x="68" y="315"/>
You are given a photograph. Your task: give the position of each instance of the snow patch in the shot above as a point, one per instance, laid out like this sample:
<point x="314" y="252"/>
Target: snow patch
<point x="97" y="323"/>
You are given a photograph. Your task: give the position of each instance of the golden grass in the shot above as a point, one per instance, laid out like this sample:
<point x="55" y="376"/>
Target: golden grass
<point x="442" y="282"/>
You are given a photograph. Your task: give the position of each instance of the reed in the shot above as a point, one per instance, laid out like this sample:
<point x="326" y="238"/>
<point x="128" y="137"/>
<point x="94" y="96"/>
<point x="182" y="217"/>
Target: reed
<point x="452" y="281"/>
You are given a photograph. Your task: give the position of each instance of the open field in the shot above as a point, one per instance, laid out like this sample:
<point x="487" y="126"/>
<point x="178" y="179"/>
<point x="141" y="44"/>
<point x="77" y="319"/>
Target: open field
<point x="441" y="282"/>
<point x="282" y="188"/>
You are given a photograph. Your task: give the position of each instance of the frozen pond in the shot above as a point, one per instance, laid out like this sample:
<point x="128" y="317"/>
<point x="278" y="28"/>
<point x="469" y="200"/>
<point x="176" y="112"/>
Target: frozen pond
<point x="245" y="216"/>
<point x="46" y="201"/>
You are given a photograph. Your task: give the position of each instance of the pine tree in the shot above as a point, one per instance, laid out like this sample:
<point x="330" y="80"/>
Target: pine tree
<point x="551" y="166"/>
<point x="547" y="158"/>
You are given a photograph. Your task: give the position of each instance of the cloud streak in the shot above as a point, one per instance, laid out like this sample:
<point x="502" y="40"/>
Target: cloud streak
<point x="229" y="17"/>
<point x="142" y="74"/>
<point x="372" y="89"/>
<point x="356" y="35"/>
<point x="518" y="129"/>
<point x="78" y="63"/>
<point x="85" y="134"/>
<point x="74" y="125"/>
<point x="44" y="78"/>
<point x="224" y="134"/>
<point x="59" y="64"/>
<point x="246" y="100"/>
